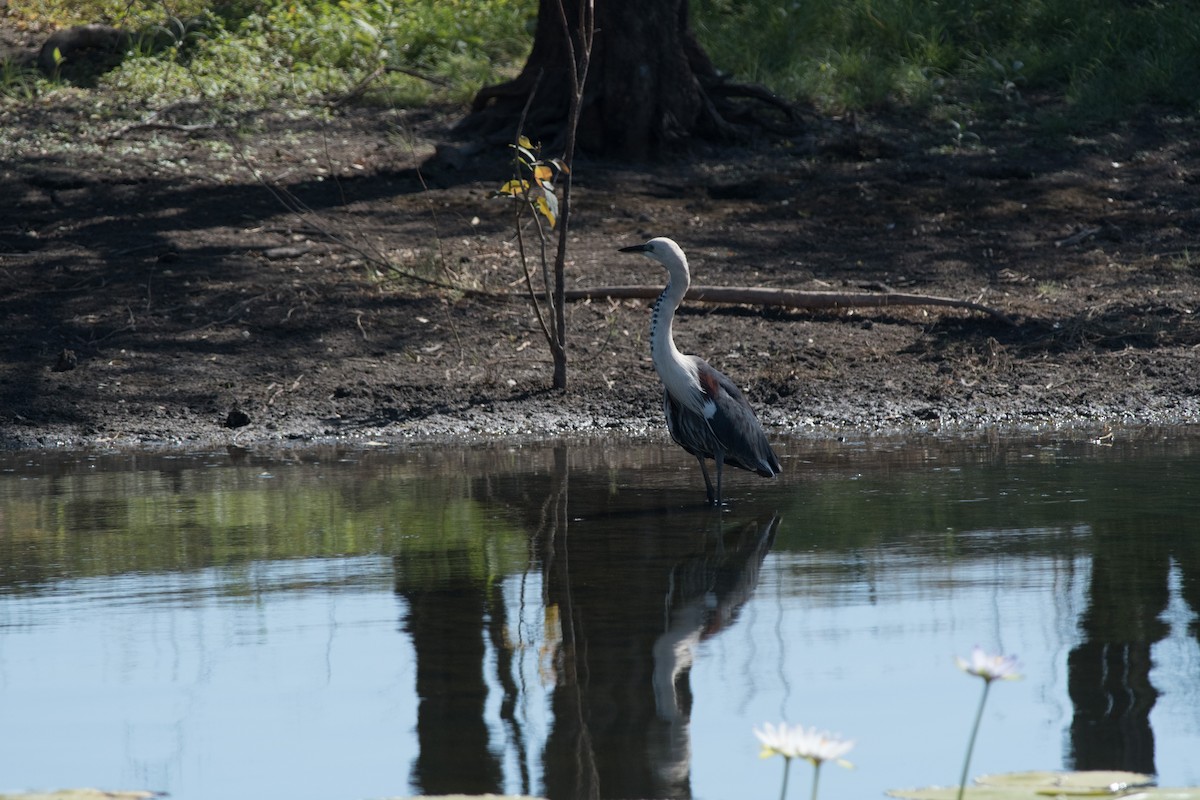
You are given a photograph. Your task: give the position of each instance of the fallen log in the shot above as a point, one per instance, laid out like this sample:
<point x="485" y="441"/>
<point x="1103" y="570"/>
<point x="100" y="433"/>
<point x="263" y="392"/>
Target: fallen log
<point x="789" y="298"/>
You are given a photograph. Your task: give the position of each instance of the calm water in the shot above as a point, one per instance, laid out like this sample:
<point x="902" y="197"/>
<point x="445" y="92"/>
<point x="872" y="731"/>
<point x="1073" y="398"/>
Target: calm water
<point x="566" y="619"/>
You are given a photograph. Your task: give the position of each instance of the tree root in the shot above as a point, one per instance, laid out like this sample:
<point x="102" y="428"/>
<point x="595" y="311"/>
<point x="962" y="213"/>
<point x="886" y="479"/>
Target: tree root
<point x="721" y="92"/>
<point x="516" y="89"/>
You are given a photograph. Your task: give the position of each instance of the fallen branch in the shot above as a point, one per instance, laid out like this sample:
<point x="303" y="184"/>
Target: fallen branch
<point x="789" y="298"/>
<point x="154" y="125"/>
<point x="1077" y="237"/>
<point x="361" y="87"/>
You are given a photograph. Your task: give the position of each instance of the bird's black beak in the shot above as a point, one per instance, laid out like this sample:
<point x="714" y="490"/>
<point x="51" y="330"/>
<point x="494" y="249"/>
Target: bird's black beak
<point x="637" y="248"/>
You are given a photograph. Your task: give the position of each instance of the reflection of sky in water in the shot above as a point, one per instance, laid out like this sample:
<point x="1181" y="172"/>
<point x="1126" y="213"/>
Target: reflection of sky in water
<point x="1177" y="714"/>
<point x="878" y="666"/>
<point x="304" y="693"/>
<point x="164" y="681"/>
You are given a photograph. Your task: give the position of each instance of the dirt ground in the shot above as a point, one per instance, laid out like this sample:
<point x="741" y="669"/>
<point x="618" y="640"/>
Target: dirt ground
<point x="168" y="283"/>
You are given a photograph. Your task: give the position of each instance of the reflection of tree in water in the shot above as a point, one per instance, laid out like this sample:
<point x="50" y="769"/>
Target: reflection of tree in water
<point x="1109" y="670"/>
<point x="634" y="592"/>
<point x="444" y="622"/>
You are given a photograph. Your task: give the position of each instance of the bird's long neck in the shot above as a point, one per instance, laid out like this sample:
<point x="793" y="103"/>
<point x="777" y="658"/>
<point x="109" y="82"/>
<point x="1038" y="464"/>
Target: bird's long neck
<point x="670" y="363"/>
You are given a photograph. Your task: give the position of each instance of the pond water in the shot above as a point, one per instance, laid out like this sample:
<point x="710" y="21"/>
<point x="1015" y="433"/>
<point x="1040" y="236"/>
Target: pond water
<point x="567" y="619"/>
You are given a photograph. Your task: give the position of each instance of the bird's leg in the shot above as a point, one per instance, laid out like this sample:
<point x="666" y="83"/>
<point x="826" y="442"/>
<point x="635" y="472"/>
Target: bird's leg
<point x="720" y="458"/>
<point x="708" y="489"/>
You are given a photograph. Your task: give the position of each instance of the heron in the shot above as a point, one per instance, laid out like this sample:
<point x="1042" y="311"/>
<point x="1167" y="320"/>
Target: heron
<point x="707" y="415"/>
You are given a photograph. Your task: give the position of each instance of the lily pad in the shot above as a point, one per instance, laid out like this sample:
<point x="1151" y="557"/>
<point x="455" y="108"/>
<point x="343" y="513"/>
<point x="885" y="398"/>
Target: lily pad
<point x="1037" y="785"/>
<point x="1084" y="783"/>
<point x="971" y="793"/>
<point x="81" y="794"/>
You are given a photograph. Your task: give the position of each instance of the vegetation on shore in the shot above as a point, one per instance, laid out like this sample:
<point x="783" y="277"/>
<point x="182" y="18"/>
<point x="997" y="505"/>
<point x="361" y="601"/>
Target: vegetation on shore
<point x="1086" y="61"/>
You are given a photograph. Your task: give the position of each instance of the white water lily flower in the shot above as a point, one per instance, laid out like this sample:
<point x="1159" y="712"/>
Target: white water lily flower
<point x="812" y="745"/>
<point x="777" y="740"/>
<point x="989" y="666"/>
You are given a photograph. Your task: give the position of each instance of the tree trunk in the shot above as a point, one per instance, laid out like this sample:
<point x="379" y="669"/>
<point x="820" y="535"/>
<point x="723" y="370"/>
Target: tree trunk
<point x="646" y="88"/>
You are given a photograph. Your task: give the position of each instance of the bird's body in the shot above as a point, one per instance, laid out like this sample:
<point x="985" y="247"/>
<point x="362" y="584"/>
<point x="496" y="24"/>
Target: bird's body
<point x="707" y="414"/>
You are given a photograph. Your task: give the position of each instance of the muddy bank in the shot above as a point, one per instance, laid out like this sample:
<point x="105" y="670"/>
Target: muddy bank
<point x="154" y="293"/>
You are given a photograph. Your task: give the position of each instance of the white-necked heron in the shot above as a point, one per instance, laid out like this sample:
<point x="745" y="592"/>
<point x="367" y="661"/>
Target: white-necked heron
<point x="707" y="414"/>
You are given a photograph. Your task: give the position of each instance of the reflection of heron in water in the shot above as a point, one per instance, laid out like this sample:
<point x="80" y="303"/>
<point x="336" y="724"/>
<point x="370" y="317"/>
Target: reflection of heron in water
<point x="704" y="598"/>
<point x="640" y="587"/>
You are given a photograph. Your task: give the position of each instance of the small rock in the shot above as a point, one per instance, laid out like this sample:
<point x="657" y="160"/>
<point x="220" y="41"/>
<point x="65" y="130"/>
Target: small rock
<point x="237" y="419"/>
<point x="67" y="361"/>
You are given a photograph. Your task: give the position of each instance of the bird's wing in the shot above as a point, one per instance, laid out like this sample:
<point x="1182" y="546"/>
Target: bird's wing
<point x="734" y="425"/>
<point x="688" y="429"/>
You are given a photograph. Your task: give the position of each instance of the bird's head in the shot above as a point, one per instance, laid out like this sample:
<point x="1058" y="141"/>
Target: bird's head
<point x="665" y="252"/>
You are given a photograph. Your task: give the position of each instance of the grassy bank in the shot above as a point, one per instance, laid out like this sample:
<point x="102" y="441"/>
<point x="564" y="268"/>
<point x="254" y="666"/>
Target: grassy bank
<point x="1088" y="60"/>
<point x="393" y="53"/>
<point x="1099" y="58"/>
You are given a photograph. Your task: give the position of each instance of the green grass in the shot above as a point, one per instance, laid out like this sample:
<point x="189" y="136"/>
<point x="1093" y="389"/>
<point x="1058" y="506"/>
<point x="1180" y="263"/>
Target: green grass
<point x="412" y="51"/>
<point x="1101" y="58"/>
<point x="59" y="13"/>
<point x="1092" y="60"/>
